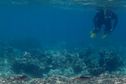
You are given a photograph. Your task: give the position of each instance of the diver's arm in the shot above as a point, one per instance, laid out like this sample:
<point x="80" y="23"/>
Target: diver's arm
<point x="95" y="18"/>
<point x="114" y="21"/>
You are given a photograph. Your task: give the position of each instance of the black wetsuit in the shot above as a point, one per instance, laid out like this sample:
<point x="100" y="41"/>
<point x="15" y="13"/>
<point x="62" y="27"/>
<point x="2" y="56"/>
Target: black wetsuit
<point x="108" y="19"/>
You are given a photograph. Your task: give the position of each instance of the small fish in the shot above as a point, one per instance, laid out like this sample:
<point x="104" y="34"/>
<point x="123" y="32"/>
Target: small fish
<point x="82" y="78"/>
<point x="19" y="78"/>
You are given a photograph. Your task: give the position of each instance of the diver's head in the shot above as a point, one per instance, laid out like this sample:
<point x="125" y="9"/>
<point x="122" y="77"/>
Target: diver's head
<point x="107" y="11"/>
<point x="100" y="9"/>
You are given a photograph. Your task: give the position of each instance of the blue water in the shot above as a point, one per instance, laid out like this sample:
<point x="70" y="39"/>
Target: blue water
<point x="53" y="25"/>
<point x="31" y="26"/>
<point x="45" y="23"/>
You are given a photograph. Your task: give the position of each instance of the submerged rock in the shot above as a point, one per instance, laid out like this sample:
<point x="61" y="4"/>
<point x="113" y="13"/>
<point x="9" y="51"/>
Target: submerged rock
<point x="29" y="69"/>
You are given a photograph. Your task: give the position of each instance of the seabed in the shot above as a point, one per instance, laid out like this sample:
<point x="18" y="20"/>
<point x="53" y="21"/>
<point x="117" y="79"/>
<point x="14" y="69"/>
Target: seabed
<point x="104" y="79"/>
<point x="77" y="66"/>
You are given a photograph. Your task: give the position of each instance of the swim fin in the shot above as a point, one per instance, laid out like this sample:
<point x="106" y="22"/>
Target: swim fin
<point x="92" y="34"/>
<point x="104" y="36"/>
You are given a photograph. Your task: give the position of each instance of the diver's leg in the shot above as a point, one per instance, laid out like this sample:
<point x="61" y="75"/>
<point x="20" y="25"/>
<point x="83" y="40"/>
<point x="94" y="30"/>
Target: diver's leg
<point x="96" y="29"/>
<point x="107" y="30"/>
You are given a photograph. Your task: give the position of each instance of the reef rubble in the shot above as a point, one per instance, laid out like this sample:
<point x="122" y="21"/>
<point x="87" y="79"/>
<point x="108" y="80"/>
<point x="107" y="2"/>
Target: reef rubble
<point x="102" y="79"/>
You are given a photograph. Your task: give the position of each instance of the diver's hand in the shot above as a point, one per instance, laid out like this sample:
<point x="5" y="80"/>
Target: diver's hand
<point x="111" y="30"/>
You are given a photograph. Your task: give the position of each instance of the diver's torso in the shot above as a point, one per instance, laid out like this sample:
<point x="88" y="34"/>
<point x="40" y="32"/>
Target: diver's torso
<point x="103" y="18"/>
<point x="108" y="18"/>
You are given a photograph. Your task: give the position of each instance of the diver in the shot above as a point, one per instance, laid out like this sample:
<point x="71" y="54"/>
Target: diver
<point x="106" y="20"/>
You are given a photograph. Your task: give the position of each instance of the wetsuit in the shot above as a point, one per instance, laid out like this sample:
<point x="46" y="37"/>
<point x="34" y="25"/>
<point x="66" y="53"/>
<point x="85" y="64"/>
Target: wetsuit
<point x="106" y="18"/>
<point x="110" y="21"/>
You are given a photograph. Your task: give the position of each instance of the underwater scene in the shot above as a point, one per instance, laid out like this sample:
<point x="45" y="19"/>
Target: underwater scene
<point x="62" y="42"/>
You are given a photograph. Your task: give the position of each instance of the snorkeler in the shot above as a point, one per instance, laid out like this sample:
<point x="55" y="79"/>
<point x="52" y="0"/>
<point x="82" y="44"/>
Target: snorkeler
<point x="104" y="19"/>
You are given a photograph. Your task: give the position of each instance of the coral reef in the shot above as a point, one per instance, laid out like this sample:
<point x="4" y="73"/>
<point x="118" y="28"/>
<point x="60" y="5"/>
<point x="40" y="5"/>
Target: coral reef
<point x="79" y="66"/>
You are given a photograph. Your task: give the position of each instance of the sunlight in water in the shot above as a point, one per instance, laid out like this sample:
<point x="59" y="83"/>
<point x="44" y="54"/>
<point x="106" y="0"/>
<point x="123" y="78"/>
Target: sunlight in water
<point x="104" y="3"/>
